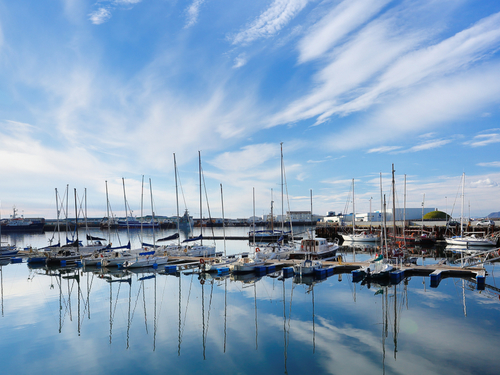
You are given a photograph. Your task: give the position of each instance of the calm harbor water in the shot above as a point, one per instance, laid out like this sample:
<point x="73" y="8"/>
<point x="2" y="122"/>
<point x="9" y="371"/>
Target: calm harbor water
<point x="90" y="321"/>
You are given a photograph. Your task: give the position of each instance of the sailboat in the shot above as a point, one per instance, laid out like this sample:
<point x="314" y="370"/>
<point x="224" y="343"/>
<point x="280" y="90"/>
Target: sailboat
<point x="278" y="250"/>
<point x="362" y="236"/>
<point x="274" y="235"/>
<point x="471" y="240"/>
<point x="379" y="267"/>
<point x="148" y="258"/>
<point x="199" y="250"/>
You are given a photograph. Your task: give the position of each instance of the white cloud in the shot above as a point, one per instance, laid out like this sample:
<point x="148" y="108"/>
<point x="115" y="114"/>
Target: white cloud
<point x="338" y="23"/>
<point x="103" y="14"/>
<point x="448" y="56"/>
<point x="353" y="64"/>
<point x="100" y="16"/>
<point x="271" y="21"/>
<point x="250" y="157"/>
<point x="383" y="149"/>
<point x="240" y="61"/>
<point x="193" y="12"/>
<point x="382" y="60"/>
<point x="483" y="183"/>
<point x="429" y="145"/>
<point x="447" y="99"/>
<point x="490" y="164"/>
<point x="483" y="140"/>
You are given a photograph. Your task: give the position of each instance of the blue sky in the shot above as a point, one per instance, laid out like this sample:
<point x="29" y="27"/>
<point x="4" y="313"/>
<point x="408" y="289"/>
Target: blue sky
<point x="95" y="91"/>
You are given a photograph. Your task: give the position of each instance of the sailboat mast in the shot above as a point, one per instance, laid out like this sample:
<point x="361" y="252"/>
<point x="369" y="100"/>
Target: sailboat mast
<point x="253" y="194"/>
<point x="76" y="225"/>
<point x="463" y="203"/>
<point x="382" y="219"/>
<point x="107" y="212"/>
<point x="282" y="204"/>
<point x="393" y="205"/>
<point x="86" y="223"/>
<point x="404" y="215"/>
<point x="67" y="208"/>
<point x="385" y="227"/>
<point x="201" y="212"/>
<point x="311" y="191"/>
<point x="152" y="213"/>
<point x="353" y="210"/>
<point x="58" y="228"/>
<point x="126" y="210"/>
<point x="423" y="203"/>
<point x="142" y="208"/>
<point x="223" y="220"/>
<point x="177" y="201"/>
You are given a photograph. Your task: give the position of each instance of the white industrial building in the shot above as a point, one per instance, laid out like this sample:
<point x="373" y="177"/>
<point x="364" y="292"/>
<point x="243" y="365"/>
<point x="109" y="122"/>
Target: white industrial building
<point x="401" y="214"/>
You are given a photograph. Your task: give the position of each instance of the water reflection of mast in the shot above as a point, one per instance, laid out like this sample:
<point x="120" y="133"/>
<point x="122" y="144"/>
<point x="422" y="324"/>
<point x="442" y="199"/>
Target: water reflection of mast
<point x="463" y="297"/>
<point x="285" y="332"/>
<point x="225" y="312"/>
<point x="311" y="289"/>
<point x="256" y="325"/>
<point x="1" y="284"/>
<point x="179" y="338"/>
<point x="205" y="329"/>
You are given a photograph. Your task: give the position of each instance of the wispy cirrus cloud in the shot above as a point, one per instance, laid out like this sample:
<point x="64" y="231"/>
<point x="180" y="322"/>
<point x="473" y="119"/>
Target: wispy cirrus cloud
<point x="193" y="12"/>
<point x="489" y="164"/>
<point x="271" y="21"/>
<point x="399" y="62"/>
<point x="100" y="16"/>
<point x="484" y="139"/>
<point x="429" y="145"/>
<point x="336" y="25"/>
<point x="103" y="13"/>
<point x="240" y="60"/>
<point x="383" y="149"/>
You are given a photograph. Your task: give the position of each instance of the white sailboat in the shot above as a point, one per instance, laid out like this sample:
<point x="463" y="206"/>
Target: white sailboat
<point x="361" y="236"/>
<point x="151" y="257"/>
<point x="196" y="250"/>
<point x="470" y="240"/>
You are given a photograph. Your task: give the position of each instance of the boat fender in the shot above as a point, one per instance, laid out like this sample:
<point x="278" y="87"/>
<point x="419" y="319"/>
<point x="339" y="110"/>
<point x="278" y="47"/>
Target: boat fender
<point x="257" y="249"/>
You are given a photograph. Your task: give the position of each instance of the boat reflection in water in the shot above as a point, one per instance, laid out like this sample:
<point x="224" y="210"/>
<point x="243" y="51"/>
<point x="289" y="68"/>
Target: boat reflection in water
<point x="148" y="320"/>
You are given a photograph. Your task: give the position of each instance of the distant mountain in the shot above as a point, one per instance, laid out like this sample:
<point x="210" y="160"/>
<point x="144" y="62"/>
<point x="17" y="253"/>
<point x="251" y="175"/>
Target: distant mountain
<point x="494" y="215"/>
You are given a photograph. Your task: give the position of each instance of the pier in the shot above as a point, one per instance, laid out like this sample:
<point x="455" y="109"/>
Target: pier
<point x="436" y="272"/>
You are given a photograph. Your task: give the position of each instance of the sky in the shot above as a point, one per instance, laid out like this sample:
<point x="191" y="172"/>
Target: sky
<point x="98" y="95"/>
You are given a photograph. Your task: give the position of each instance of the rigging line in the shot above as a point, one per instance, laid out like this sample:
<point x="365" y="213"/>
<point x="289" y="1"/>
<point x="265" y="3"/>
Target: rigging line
<point x="136" y="300"/>
<point x="87" y="300"/>
<point x="162" y="295"/>
<point x="208" y="204"/>
<point x="288" y="200"/>
<point x="145" y="312"/>
<point x="209" y="309"/>
<point x="116" y="301"/>
<point x="187" y="304"/>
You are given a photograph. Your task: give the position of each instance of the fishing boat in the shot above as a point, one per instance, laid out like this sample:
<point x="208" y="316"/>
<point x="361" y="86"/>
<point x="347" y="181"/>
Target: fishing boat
<point x="16" y="224"/>
<point x="315" y="248"/>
